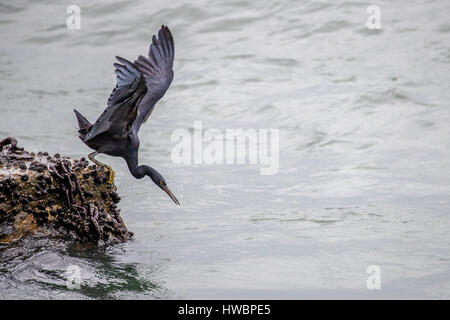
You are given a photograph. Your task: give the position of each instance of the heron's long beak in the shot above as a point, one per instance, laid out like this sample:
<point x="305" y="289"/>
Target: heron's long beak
<point x="167" y="190"/>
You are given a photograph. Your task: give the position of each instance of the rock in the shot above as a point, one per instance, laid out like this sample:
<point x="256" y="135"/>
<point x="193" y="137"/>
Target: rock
<point x="56" y="196"/>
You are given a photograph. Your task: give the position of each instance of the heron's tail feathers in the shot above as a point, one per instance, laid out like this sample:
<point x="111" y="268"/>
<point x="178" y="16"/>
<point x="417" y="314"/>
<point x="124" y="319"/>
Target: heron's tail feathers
<point x="83" y="123"/>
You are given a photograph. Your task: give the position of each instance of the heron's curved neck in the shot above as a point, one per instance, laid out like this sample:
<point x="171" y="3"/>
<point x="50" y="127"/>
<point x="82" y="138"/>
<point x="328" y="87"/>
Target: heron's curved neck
<point x="139" y="171"/>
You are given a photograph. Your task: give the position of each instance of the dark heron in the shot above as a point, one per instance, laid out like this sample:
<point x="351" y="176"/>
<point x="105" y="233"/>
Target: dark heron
<point x="140" y="84"/>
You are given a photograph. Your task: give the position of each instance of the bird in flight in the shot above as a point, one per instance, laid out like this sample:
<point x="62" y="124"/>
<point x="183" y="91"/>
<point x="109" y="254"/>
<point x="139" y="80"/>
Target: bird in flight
<point x="140" y="85"/>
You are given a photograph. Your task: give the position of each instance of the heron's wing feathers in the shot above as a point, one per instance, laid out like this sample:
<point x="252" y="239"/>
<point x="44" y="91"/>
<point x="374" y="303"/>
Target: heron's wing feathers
<point x="123" y="102"/>
<point x="157" y="71"/>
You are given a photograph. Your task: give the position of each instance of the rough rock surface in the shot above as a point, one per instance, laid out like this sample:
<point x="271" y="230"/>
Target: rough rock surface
<point x="56" y="196"/>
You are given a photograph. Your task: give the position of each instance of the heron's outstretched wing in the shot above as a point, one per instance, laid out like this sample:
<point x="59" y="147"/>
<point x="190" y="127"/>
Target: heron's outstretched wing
<point x="157" y="71"/>
<point x="123" y="102"/>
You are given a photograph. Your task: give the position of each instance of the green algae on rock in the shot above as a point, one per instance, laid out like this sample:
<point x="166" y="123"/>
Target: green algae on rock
<point x="56" y="196"/>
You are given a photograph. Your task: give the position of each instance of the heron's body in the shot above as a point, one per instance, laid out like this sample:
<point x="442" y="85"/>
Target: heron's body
<point x="140" y="85"/>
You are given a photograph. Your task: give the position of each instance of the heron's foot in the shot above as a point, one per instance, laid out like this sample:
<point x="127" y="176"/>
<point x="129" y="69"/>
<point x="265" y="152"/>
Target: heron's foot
<point x="104" y="166"/>
<point x="111" y="175"/>
<point x="110" y="171"/>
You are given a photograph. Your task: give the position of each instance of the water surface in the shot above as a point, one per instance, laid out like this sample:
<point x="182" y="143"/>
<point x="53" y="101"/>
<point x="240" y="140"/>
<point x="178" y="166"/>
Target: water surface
<point x="364" y="173"/>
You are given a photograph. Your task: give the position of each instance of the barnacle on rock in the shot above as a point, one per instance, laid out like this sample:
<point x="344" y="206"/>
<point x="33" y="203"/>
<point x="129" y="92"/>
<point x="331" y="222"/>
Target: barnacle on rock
<point x="67" y="197"/>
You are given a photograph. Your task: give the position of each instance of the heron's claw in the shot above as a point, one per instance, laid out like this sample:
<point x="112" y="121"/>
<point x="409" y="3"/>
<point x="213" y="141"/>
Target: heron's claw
<point x="111" y="175"/>
<point x="104" y="166"/>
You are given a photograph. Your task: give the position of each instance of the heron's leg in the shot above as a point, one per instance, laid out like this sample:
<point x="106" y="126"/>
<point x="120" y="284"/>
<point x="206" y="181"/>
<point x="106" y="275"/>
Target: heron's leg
<point x="110" y="170"/>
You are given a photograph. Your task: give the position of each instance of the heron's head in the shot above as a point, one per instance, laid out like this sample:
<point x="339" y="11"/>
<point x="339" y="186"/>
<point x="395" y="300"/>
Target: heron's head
<point x="160" y="182"/>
